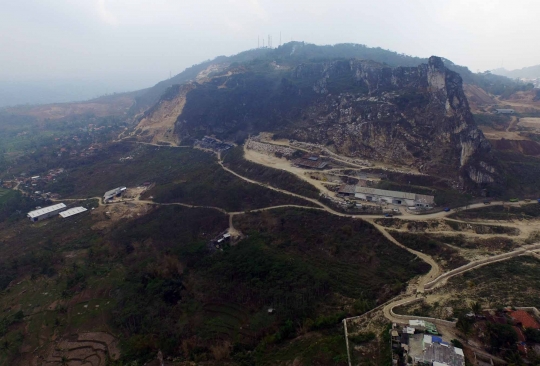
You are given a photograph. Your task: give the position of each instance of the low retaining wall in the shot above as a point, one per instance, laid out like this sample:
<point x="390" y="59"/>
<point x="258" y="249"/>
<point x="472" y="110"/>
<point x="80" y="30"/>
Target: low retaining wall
<point x="413" y="317"/>
<point x="482" y="262"/>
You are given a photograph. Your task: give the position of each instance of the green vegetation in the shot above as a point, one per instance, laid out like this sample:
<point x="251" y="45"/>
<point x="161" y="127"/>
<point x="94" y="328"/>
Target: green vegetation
<point x="234" y="160"/>
<point x="520" y="176"/>
<point x="290" y="262"/>
<point x="218" y="299"/>
<point x="498" y="212"/>
<point x="181" y="175"/>
<point x="447" y="256"/>
<point x="496" y="121"/>
<point x="14" y="206"/>
<point x="356" y="257"/>
<point x="513" y="282"/>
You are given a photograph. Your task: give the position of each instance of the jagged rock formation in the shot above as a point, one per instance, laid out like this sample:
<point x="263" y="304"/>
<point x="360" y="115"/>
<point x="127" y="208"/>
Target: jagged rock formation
<point x="414" y="116"/>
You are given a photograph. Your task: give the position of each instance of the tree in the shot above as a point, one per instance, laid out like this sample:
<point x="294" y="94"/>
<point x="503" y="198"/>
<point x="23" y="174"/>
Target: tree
<point x="464" y="325"/>
<point x="476" y="307"/>
<point x="502" y="336"/>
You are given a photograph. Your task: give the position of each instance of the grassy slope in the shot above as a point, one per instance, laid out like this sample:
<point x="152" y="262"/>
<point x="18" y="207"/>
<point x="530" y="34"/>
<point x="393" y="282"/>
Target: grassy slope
<point x="311" y="274"/>
<point x="181" y="175"/>
<point x="528" y="211"/>
<point x="234" y="160"/>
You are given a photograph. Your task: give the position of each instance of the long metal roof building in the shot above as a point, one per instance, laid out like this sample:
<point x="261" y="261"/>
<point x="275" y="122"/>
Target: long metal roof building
<point x="45" y="212"/>
<point x="72" y="211"/>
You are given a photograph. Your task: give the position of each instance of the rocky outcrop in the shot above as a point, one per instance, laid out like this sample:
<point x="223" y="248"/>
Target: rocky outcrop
<point x="414" y="116"/>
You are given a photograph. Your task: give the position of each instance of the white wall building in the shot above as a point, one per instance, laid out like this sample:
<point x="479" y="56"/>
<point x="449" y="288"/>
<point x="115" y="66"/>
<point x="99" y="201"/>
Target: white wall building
<point x="46" y="212"/>
<point x="394" y="197"/>
<point x="72" y="211"/>
<point x="113" y="193"/>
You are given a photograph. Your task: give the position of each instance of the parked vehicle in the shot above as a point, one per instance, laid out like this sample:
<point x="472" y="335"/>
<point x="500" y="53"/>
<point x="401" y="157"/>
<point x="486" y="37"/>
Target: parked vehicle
<point x="514" y="199"/>
<point x="388" y="215"/>
<point x="447" y="209"/>
<point x="487" y="202"/>
<point x="395" y="209"/>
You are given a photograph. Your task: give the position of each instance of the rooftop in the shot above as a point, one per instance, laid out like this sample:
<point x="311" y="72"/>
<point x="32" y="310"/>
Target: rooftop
<point x="396" y="194"/>
<point x="115" y="191"/>
<point x="72" y="211"/>
<point x="46" y="210"/>
<point x="425" y="348"/>
<point x="526" y="320"/>
<point x="310" y="163"/>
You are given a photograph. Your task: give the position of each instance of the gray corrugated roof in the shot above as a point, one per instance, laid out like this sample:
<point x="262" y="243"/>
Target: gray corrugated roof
<point x="396" y="194"/>
<point x="46" y="210"/>
<point x="72" y="211"/>
<point x="384" y="192"/>
<point x="113" y="192"/>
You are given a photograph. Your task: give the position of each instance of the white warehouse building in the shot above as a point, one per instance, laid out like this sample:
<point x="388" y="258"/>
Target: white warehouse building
<point x="109" y="195"/>
<point x="394" y="197"/>
<point x="46" y="212"/>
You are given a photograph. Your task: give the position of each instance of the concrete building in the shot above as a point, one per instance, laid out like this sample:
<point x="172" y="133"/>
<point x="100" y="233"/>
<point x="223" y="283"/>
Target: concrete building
<point x="425" y="349"/>
<point x="394" y="197"/>
<point x="46" y="212"/>
<point x="117" y="192"/>
<point x="72" y="211"/>
<point x="504" y="111"/>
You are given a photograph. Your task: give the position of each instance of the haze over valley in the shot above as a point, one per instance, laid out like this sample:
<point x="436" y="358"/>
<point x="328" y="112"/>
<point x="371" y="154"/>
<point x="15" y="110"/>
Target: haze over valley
<point x="340" y="187"/>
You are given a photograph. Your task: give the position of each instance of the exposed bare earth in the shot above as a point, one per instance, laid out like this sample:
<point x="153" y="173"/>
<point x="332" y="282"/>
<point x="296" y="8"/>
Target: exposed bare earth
<point x="159" y="125"/>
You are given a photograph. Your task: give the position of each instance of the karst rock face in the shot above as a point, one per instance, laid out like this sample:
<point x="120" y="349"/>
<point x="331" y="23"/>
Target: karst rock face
<point x="417" y="116"/>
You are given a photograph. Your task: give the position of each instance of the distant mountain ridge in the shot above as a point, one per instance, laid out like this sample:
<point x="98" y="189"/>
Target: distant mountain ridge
<point x="530" y="72"/>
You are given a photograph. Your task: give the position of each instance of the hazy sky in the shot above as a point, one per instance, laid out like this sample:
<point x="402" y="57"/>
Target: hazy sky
<point x="130" y="44"/>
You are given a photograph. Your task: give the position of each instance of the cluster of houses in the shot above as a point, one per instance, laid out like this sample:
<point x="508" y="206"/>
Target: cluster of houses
<point x="84" y="152"/>
<point x="419" y="343"/>
<point x="59" y="209"/>
<point x="520" y="321"/>
<point x="33" y="181"/>
<point x="413" y="201"/>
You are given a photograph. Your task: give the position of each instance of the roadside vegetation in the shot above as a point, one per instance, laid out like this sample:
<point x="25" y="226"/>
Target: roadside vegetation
<point x="446" y="256"/>
<point x="501" y="213"/>
<point x="234" y="160"/>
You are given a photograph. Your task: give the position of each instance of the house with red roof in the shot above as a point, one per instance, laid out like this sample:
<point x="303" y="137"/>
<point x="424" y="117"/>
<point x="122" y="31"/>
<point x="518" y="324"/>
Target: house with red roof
<point x="523" y="318"/>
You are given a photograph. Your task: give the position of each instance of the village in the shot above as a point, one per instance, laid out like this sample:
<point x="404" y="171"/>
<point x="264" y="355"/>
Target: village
<point x="419" y="342"/>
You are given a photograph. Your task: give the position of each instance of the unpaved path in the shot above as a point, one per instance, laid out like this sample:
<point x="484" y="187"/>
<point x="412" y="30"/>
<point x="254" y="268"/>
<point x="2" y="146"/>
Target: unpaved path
<point x="512" y="125"/>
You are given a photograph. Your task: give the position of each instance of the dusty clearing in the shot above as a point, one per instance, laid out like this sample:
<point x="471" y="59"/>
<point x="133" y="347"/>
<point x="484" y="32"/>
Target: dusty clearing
<point x="492" y="134"/>
<point x="533" y="122"/>
<point x="110" y="214"/>
<point x="283" y="164"/>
